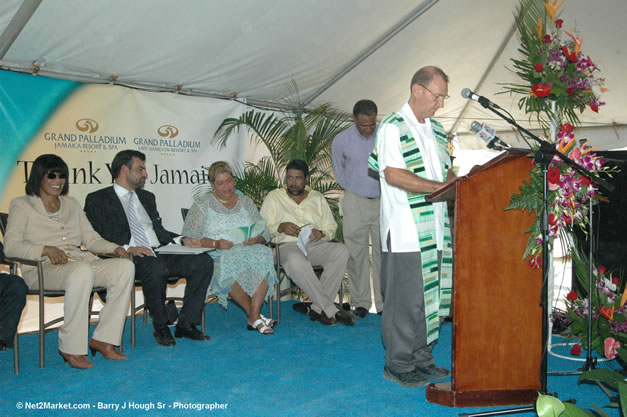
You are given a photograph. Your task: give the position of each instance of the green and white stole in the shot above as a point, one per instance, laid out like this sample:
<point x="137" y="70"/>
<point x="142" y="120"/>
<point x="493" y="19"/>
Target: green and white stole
<point x="437" y="289"/>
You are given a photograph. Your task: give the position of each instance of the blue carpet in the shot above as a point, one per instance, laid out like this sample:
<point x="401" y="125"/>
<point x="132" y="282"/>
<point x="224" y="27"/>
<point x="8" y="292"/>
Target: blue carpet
<point x="305" y="369"/>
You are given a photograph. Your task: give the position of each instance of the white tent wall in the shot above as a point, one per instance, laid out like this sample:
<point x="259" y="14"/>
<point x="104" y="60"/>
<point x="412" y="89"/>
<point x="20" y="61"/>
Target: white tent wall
<point x="335" y="52"/>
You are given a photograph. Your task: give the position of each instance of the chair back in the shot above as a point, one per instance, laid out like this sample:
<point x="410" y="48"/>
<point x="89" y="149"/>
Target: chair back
<point x="184" y="212"/>
<point x="4" y="219"/>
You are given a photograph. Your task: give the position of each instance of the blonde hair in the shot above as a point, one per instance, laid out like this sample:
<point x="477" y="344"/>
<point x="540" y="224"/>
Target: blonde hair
<point x="217" y="168"/>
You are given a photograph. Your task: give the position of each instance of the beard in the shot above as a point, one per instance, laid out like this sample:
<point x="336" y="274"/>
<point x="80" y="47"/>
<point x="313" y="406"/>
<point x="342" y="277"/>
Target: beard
<point x="295" y="190"/>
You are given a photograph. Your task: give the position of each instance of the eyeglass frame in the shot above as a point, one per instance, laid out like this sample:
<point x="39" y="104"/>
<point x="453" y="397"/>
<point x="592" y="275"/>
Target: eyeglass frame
<point x="436" y="96"/>
<point x="55" y="175"/>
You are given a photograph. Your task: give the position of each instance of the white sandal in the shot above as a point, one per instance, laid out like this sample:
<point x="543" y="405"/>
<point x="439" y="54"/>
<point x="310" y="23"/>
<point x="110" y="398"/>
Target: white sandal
<point x="268" y="322"/>
<point x="261" y="329"/>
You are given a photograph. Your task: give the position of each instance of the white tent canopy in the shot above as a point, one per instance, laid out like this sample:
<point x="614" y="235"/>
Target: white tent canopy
<point x="334" y="51"/>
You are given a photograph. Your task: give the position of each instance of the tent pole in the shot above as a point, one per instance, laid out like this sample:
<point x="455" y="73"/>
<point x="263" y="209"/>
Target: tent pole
<point x="15" y="26"/>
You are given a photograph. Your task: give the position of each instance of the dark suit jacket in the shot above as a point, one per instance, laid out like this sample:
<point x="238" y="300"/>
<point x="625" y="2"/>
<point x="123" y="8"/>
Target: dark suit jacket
<point x="107" y="216"/>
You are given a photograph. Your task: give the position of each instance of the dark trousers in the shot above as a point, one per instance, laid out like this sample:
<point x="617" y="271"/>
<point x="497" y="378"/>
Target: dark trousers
<point x="12" y="300"/>
<point x="153" y="272"/>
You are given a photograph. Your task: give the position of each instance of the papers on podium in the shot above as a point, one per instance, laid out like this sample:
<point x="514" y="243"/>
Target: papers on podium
<point x="172" y="249"/>
<point x="243" y="233"/>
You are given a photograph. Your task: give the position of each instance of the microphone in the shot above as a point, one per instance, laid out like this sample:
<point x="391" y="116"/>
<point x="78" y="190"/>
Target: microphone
<point x="488" y="135"/>
<point x="467" y="93"/>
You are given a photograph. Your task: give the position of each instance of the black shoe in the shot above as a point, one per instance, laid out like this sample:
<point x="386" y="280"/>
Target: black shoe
<point x="360" y="312"/>
<point x="313" y="316"/>
<point x="324" y="319"/>
<point x="192" y="333"/>
<point x="434" y="372"/>
<point x="411" y="379"/>
<point x="172" y="312"/>
<point x="163" y="336"/>
<point x="345" y="317"/>
<point x="302" y="308"/>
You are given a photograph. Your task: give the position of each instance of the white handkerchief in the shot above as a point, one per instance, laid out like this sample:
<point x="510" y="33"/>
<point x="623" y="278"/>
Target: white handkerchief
<point x="303" y="238"/>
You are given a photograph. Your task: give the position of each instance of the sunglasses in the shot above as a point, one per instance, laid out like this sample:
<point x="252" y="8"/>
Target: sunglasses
<point x="54" y="175"/>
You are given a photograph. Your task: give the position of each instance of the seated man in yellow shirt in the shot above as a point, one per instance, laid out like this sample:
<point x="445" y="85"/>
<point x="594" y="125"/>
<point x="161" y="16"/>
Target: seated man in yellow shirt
<point x="289" y="210"/>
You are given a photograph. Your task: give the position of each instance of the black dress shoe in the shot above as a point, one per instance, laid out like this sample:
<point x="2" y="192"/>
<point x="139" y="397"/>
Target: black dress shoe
<point x="345" y="317"/>
<point x="360" y="312"/>
<point x="302" y="308"/>
<point x="164" y="337"/>
<point x="191" y="333"/>
<point x="433" y="372"/>
<point x="324" y="319"/>
<point x="313" y="316"/>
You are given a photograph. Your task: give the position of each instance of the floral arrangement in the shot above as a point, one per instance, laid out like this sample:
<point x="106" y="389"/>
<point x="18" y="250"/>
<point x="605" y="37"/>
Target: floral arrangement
<point x="553" y="66"/>
<point x="569" y="192"/>
<point x="609" y="316"/>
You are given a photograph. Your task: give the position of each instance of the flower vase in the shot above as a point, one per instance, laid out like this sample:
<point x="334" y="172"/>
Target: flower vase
<point x="551" y="273"/>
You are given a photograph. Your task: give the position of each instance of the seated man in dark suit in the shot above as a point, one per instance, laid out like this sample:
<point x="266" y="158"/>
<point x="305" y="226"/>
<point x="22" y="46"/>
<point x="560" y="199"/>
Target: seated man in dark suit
<point x="127" y="215"/>
<point x="12" y="300"/>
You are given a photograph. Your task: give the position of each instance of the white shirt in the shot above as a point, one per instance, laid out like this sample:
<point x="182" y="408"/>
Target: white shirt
<point x="396" y="215"/>
<point x="124" y="196"/>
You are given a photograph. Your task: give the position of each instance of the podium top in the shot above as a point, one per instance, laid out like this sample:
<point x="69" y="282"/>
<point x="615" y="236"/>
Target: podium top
<point x="449" y="191"/>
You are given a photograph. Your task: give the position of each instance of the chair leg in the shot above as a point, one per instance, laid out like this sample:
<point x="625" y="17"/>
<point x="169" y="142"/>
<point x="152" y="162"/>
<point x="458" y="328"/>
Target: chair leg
<point x="133" y="317"/>
<point x="16" y="354"/>
<point x="202" y="320"/>
<point x="42" y="332"/>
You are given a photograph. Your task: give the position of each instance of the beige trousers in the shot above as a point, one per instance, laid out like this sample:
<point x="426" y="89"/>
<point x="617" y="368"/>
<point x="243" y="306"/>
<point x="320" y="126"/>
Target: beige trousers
<point x="77" y="278"/>
<point x="332" y="256"/>
<point x="361" y="225"/>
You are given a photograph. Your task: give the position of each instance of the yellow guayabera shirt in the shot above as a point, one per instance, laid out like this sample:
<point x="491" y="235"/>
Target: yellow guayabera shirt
<point x="279" y="208"/>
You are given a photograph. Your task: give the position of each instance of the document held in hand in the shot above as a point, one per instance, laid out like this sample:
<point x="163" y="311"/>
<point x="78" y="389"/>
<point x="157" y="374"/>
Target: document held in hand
<point x="243" y="233"/>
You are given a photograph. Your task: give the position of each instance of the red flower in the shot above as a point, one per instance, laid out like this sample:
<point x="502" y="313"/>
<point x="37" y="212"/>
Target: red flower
<point x="606" y="312"/>
<point x="554" y="175"/>
<point x="535" y="262"/>
<point x="602" y="269"/>
<point x="572" y="296"/>
<point x="539" y="67"/>
<point x="584" y="182"/>
<point x="541" y="90"/>
<point x="547" y="39"/>
<point x="552" y="219"/>
<point x="572" y="56"/>
<point x="575" y="350"/>
<point x="615" y="280"/>
<point x="594" y="108"/>
<point x="570" y="91"/>
<point x="558" y="23"/>
<point x="567" y="128"/>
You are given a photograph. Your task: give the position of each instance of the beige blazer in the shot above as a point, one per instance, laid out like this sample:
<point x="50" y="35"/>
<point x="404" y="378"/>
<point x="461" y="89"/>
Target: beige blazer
<point x="30" y="229"/>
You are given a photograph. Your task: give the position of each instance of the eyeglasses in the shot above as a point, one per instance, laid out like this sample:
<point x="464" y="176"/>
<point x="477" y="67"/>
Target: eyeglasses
<point x="54" y="175"/>
<point x="436" y="96"/>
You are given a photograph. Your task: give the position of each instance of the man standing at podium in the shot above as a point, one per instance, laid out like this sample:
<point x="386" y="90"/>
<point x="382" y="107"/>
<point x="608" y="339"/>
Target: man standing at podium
<point x="412" y="159"/>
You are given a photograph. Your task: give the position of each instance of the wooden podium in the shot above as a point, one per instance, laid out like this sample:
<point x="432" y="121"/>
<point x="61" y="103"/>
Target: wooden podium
<point x="497" y="316"/>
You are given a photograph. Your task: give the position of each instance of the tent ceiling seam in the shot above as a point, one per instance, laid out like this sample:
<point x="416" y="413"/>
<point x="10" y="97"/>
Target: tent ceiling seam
<point x="372" y="48"/>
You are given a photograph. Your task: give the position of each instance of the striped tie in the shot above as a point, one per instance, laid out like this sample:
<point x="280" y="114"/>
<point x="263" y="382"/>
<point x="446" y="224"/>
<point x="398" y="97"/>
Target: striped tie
<point x="137" y="230"/>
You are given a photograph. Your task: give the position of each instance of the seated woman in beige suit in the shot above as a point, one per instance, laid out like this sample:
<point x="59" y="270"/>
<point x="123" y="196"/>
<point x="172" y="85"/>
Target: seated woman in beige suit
<point x="47" y="224"/>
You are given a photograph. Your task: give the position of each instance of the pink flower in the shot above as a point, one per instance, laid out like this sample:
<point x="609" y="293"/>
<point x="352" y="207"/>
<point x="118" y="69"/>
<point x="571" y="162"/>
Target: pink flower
<point x="575" y="350"/>
<point x="611" y="348"/>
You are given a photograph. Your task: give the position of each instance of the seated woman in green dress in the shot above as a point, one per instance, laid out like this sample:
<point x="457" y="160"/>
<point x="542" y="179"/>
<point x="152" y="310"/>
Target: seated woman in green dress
<point x="245" y="270"/>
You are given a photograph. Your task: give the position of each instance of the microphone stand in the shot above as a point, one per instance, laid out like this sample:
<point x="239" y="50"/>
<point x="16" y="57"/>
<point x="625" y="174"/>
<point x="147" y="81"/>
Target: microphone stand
<point x="544" y="155"/>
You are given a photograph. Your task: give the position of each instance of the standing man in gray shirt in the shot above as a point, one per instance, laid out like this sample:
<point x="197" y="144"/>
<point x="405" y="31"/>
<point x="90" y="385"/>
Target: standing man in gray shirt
<point x="350" y="152"/>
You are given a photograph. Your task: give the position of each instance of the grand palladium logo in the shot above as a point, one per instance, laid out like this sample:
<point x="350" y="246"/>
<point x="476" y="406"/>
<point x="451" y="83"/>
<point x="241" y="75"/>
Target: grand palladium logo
<point x="168" y="131"/>
<point x="87" y="125"/>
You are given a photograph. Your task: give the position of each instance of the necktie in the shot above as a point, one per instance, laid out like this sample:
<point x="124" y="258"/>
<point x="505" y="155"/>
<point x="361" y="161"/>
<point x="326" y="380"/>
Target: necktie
<point x="137" y="230"/>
